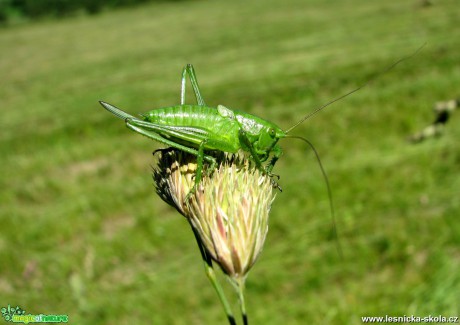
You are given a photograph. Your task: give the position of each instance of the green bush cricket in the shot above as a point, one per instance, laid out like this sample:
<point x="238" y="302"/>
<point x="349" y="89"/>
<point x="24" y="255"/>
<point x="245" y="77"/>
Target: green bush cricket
<point x="198" y="129"/>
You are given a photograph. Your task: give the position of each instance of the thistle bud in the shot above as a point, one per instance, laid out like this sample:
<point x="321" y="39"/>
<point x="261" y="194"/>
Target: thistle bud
<point x="229" y="209"/>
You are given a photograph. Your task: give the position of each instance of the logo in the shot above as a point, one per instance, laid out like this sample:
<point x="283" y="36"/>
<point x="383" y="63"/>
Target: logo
<point x="18" y="315"/>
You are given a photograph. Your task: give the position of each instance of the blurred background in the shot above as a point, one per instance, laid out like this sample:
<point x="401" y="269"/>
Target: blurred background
<point x="82" y="232"/>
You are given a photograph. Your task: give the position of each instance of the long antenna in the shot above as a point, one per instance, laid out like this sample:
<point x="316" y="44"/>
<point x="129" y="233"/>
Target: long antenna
<point x="329" y="193"/>
<point x="354" y="90"/>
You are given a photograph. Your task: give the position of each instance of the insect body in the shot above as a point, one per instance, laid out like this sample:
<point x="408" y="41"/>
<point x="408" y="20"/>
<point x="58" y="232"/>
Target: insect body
<point x="215" y="129"/>
<point x="198" y="129"/>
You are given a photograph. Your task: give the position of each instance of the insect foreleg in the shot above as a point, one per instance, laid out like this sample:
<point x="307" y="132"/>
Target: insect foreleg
<point x="244" y="138"/>
<point x="247" y="143"/>
<point x="194" y="81"/>
<point x="277" y="152"/>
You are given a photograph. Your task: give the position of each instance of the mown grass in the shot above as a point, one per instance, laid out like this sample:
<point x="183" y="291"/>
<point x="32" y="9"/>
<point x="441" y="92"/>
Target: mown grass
<point x="83" y="234"/>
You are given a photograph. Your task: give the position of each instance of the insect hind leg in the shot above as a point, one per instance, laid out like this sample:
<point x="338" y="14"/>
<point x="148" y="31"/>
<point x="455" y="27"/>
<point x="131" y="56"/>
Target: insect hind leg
<point x="190" y="71"/>
<point x="201" y="156"/>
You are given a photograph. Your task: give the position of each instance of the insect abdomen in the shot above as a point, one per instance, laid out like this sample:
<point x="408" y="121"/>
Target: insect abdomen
<point x="221" y="132"/>
<point x="184" y="115"/>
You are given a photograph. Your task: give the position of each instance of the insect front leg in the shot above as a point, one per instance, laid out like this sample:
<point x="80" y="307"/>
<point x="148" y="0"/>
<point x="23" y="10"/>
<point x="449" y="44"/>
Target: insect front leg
<point x="277" y="152"/>
<point x="247" y="143"/>
<point x="194" y="81"/>
<point x="267" y="171"/>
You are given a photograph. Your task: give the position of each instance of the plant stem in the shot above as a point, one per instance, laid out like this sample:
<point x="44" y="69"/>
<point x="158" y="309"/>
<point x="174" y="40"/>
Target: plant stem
<point x="209" y="270"/>
<point x="212" y="277"/>
<point x="242" y="302"/>
<point x="238" y="284"/>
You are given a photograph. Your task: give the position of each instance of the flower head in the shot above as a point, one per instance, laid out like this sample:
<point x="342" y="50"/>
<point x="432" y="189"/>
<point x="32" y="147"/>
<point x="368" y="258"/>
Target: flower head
<point x="229" y="209"/>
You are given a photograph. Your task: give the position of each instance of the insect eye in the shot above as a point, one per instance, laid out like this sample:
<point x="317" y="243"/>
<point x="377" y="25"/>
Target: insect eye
<point x="272" y="132"/>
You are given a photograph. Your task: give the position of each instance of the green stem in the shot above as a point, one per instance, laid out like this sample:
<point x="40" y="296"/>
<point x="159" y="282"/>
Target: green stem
<point x="212" y="277"/>
<point x="209" y="270"/>
<point x="242" y="302"/>
<point x="238" y="284"/>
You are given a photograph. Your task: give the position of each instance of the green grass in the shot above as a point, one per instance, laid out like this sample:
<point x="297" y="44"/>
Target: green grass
<point x="82" y="232"/>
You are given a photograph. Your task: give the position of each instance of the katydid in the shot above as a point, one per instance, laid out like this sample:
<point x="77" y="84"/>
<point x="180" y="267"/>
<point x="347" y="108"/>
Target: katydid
<point x="199" y="129"/>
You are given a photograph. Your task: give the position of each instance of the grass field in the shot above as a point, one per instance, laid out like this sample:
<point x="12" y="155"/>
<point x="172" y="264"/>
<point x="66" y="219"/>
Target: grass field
<point x="82" y="232"/>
